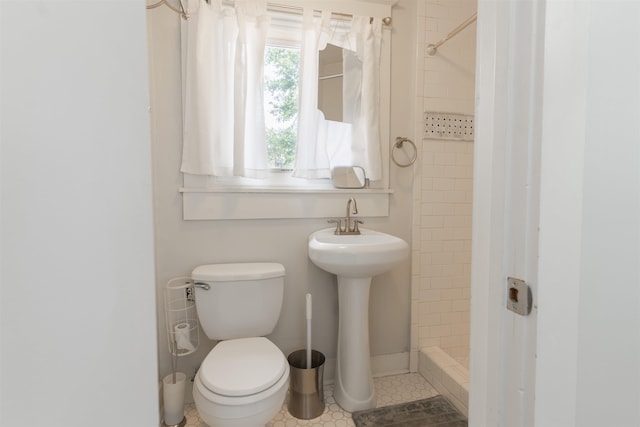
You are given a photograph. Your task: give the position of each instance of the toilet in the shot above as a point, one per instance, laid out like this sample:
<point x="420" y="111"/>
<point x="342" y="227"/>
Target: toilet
<point x="244" y="379"/>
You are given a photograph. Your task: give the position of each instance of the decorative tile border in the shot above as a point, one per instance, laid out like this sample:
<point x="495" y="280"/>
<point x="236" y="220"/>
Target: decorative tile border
<point x="451" y="126"/>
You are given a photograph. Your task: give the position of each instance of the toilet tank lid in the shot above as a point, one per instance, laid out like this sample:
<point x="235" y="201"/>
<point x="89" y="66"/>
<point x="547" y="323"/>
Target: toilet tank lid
<point x="237" y="271"/>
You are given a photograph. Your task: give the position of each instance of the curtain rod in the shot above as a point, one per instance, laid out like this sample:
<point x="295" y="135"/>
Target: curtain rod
<point x="184" y="13"/>
<point x="285" y="8"/>
<point x="433" y="48"/>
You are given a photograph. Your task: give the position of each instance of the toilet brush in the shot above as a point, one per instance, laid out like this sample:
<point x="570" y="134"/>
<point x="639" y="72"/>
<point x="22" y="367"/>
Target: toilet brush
<point x="174" y="363"/>
<point x="308" y="331"/>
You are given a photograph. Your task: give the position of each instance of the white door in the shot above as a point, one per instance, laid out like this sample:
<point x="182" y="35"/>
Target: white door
<point x="506" y="211"/>
<point x="557" y="203"/>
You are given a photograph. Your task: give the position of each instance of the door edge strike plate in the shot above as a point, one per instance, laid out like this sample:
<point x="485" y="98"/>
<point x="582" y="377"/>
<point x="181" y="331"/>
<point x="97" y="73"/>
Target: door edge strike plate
<point x="519" y="296"/>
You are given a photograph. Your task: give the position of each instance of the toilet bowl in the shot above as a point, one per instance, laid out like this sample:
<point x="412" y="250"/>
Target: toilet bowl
<point x="241" y="383"/>
<point x="244" y="379"/>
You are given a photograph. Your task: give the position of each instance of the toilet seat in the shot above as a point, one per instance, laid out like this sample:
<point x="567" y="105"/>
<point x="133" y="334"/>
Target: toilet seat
<point x="243" y="367"/>
<point x="252" y="410"/>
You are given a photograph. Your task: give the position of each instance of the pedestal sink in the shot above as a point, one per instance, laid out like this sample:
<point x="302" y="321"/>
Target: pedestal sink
<point x="355" y="259"/>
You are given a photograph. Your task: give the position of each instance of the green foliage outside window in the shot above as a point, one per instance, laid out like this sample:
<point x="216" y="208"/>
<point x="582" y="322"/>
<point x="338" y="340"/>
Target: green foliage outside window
<point x="282" y="70"/>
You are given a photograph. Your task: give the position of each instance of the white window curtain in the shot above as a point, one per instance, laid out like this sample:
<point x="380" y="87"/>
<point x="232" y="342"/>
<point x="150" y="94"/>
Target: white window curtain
<point x="361" y="94"/>
<point x="311" y="156"/>
<point x="223" y="62"/>
<point x="324" y="144"/>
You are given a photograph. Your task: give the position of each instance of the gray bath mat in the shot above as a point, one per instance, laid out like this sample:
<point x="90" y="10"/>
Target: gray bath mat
<point x="431" y="412"/>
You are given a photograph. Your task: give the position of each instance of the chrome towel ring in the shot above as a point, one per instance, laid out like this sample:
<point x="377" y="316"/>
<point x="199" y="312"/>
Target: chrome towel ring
<point x="400" y="140"/>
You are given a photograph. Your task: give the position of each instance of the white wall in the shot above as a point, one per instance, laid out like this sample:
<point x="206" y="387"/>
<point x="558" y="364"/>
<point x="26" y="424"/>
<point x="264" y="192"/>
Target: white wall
<point x="78" y="327"/>
<point x="442" y="196"/>
<point x="182" y="245"/>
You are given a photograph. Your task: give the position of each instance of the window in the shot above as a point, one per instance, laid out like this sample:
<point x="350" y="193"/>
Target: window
<point x="278" y="194"/>
<point x="281" y="76"/>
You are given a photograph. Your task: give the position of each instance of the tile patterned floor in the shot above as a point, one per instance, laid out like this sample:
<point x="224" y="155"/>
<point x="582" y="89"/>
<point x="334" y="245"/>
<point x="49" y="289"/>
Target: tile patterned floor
<point x="389" y="390"/>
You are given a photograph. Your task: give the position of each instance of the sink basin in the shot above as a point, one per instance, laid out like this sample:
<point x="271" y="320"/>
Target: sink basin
<point x="355" y="259"/>
<point x="363" y="255"/>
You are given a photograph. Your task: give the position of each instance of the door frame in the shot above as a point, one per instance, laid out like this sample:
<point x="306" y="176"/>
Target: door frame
<point x="506" y="209"/>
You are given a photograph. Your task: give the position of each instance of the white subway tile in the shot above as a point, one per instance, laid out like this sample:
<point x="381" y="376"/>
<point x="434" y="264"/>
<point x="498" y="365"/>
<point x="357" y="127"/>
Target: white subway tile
<point x="448" y="184"/>
<point x="458" y="329"/>
<point x="452" y="317"/>
<point x="457" y="221"/>
<point x="430" y="246"/>
<point x="441" y="282"/>
<point x="454" y="197"/>
<point x="432" y="196"/>
<point x="429" y="270"/>
<point x="445" y="209"/>
<point x="439" y="330"/>
<point x="426" y="235"/>
<point x="460" y="305"/>
<point x="439" y="306"/>
<point x="464" y="184"/>
<point x="432" y="221"/>
<point x="453" y="245"/>
<point x="444" y="200"/>
<point x="436" y="10"/>
<point x="451" y="294"/>
<point x="428" y="341"/>
<point x="444" y="158"/>
<point x="442" y="258"/>
<point x="431" y="319"/>
<point x="462" y="257"/>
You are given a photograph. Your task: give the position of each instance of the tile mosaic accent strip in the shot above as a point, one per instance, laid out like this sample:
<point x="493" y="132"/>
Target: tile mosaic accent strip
<point x="448" y="126"/>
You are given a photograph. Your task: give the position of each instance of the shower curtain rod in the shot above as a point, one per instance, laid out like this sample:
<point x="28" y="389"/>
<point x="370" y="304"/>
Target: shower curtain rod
<point x="433" y="48"/>
<point x="279" y="7"/>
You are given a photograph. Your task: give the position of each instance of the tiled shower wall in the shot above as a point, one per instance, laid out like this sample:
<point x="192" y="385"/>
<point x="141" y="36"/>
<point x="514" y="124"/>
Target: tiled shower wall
<point x="443" y="190"/>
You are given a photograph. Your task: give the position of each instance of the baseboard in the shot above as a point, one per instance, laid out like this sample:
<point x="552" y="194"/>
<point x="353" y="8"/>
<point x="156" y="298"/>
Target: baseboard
<point x="381" y="366"/>
<point x="390" y="364"/>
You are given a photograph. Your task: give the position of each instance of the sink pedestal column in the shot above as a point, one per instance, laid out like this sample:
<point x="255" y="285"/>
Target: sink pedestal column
<point x="354" y="389"/>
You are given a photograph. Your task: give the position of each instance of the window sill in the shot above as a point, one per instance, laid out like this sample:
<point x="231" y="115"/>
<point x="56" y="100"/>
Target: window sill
<point x="222" y="203"/>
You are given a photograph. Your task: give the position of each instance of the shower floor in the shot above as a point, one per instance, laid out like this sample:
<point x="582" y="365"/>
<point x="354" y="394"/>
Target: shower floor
<point x="390" y="390"/>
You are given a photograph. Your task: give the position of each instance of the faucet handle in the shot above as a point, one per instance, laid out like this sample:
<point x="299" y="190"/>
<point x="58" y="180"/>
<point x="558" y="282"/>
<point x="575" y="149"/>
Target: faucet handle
<point x="355" y="225"/>
<point x="338" y="223"/>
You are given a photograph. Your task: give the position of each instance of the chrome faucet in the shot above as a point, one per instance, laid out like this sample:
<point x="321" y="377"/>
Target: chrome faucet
<point x="355" y="211"/>
<point x="350" y="225"/>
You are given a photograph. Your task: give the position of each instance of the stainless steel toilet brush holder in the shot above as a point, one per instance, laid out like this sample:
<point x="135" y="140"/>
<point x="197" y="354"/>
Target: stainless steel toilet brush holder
<point x="306" y="392"/>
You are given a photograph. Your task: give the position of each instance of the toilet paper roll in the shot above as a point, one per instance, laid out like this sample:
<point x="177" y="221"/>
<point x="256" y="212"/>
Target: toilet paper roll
<point x="181" y="332"/>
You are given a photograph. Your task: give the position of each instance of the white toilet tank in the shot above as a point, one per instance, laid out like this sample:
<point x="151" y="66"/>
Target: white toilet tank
<point x="243" y="299"/>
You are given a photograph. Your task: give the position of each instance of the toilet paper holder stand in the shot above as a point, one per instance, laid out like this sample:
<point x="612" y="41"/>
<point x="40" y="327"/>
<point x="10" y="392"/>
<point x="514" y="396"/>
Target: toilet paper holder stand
<point x="182" y="324"/>
<point x="181" y="317"/>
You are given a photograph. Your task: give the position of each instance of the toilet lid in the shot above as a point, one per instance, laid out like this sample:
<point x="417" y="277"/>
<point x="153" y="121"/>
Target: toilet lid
<point x="242" y="366"/>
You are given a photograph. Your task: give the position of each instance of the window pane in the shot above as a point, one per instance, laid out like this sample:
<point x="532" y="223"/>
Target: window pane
<point x="282" y="69"/>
